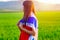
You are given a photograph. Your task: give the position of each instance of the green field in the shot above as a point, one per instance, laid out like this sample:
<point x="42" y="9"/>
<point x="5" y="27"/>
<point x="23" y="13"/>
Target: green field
<point x="48" y="21"/>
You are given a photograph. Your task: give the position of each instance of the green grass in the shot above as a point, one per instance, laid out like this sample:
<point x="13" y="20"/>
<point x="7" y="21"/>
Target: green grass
<point x="48" y="29"/>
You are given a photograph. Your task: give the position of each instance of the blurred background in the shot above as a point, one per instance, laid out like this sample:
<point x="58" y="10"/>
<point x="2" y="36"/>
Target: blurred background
<point x="47" y="13"/>
<point x="16" y="5"/>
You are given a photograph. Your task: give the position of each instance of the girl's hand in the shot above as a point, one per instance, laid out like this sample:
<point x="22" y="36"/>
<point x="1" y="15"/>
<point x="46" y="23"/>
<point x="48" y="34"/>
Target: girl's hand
<point x="21" y="27"/>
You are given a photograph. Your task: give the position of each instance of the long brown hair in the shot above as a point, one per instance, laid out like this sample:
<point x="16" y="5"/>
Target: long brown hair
<point x="28" y="8"/>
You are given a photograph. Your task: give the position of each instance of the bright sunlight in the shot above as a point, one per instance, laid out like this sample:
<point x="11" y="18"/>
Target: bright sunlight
<point x="49" y="1"/>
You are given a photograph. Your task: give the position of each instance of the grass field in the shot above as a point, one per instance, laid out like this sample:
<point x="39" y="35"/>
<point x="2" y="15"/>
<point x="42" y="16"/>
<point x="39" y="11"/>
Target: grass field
<point x="48" y="21"/>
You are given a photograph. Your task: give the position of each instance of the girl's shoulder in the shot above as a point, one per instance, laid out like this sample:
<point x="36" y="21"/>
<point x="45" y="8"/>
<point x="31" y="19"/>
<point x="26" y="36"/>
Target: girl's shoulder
<point x="31" y="20"/>
<point x="22" y="20"/>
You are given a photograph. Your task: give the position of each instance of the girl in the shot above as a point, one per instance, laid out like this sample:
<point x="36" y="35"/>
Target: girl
<point x="28" y="24"/>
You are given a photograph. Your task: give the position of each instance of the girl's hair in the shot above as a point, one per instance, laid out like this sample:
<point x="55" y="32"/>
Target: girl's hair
<point x="28" y="8"/>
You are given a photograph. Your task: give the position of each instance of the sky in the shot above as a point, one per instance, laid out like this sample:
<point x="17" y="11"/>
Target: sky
<point x="8" y="0"/>
<point x="43" y="1"/>
<point x="50" y="1"/>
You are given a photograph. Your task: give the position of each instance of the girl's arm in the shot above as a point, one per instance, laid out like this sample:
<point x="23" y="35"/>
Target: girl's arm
<point x="18" y="25"/>
<point x="27" y="31"/>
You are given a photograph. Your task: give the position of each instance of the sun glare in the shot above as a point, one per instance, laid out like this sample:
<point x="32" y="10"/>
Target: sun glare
<point x="49" y="1"/>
